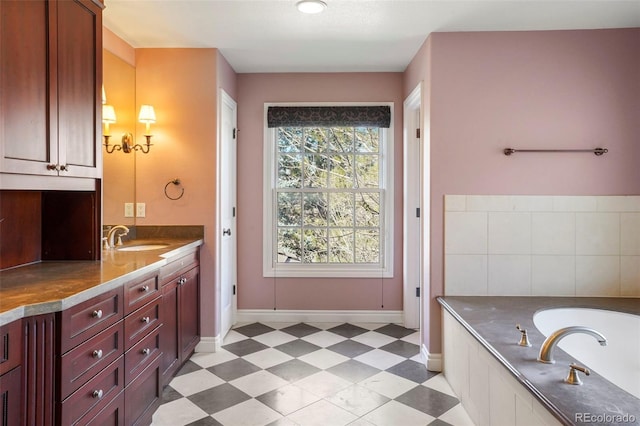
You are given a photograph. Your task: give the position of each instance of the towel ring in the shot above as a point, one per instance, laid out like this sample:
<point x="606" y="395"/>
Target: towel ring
<point x="176" y="182"/>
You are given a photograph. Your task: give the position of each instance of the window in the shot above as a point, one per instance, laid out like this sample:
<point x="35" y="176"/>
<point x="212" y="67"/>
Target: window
<point x="328" y="203"/>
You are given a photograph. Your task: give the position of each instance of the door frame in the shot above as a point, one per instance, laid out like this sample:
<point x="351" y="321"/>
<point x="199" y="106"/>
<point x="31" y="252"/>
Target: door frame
<point x="224" y="99"/>
<point x="412" y="201"/>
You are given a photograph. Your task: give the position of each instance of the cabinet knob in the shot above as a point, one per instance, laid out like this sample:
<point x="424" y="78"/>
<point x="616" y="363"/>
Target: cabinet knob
<point x="146" y="351"/>
<point x="144" y="288"/>
<point x="182" y="280"/>
<point x="97" y="353"/>
<point x="145" y="320"/>
<point x="52" y="167"/>
<point x="97" y="314"/>
<point x="97" y="393"/>
<point x="64" y="168"/>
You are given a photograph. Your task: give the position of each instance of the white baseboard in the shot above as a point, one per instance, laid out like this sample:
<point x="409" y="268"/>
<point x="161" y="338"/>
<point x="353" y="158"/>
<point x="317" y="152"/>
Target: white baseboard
<point x="209" y="344"/>
<point x="268" y="315"/>
<point x="432" y="361"/>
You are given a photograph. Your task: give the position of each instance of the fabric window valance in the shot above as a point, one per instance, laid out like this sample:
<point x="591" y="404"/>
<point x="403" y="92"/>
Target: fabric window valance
<point x="329" y="116"/>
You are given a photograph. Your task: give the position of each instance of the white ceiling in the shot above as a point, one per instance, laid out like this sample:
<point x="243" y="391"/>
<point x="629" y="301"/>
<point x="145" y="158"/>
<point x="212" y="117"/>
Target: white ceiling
<point x="350" y="35"/>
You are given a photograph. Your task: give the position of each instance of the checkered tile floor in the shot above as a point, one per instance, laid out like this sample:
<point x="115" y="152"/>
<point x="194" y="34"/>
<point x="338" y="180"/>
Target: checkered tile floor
<point x="311" y="374"/>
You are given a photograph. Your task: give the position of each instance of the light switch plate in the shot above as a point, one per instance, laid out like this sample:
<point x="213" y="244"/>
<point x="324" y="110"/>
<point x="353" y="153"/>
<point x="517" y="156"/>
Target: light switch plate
<point x="141" y="209"/>
<point x="128" y="209"/>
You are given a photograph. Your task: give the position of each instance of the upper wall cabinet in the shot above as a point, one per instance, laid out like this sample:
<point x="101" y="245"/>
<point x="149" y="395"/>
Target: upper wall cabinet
<point x="51" y="58"/>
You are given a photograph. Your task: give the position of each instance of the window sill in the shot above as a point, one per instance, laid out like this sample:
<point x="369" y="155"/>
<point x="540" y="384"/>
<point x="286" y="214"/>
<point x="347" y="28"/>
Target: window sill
<point x="332" y="271"/>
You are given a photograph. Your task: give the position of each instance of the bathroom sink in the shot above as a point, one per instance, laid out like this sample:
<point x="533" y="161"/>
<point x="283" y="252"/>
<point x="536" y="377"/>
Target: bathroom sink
<point x="143" y="247"/>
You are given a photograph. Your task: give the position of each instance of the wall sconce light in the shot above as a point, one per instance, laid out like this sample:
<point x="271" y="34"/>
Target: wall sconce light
<point x="147" y="115"/>
<point x="108" y="117"/>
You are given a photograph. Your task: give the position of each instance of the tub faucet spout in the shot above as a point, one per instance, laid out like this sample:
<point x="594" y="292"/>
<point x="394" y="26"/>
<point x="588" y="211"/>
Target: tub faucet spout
<point x="546" y="350"/>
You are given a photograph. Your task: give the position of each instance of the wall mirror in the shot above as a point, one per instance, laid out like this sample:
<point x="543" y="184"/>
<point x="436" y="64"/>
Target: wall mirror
<point x="119" y="168"/>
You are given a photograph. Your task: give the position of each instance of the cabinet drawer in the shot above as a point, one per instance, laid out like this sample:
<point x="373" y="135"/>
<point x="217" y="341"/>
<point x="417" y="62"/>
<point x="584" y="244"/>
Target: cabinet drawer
<point x="173" y="270"/>
<point x="111" y="415"/>
<point x="141" y="355"/>
<point x="10" y="346"/>
<point x="143" y="395"/>
<point x="11" y="402"/>
<point x="83" y="362"/>
<point x="86" y="319"/>
<point x="139" y="323"/>
<point x="94" y="395"/>
<point x="140" y="291"/>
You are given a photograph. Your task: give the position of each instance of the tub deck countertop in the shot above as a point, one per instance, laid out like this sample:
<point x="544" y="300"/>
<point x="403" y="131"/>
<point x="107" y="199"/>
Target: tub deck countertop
<point x="53" y="286"/>
<point x="492" y="321"/>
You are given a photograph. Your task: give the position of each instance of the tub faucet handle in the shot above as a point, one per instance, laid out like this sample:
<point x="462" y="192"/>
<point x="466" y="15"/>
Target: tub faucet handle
<point x="524" y="339"/>
<point x="573" y="378"/>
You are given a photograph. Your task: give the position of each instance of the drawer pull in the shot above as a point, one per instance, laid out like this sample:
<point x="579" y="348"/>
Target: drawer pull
<point x="144" y="289"/>
<point x="97" y="314"/>
<point x="97" y="353"/>
<point x="146" y="320"/>
<point x="97" y="393"/>
<point x="146" y="351"/>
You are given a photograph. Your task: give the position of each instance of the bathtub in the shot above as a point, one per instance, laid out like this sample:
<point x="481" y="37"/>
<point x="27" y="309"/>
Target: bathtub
<point x="619" y="361"/>
<point x="502" y="383"/>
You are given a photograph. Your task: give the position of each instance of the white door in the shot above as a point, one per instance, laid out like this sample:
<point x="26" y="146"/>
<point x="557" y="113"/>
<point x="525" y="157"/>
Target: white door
<point x="227" y="269"/>
<point x="412" y="263"/>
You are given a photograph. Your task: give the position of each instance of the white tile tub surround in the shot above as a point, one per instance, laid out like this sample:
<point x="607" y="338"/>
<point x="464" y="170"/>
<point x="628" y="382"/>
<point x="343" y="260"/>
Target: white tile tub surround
<point x="521" y="245"/>
<point x="488" y="392"/>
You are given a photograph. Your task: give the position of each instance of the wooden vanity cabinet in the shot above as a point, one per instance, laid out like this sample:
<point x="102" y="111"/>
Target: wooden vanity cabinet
<point x="102" y="361"/>
<point x="180" y="282"/>
<point x="51" y="57"/>
<point x="11" y="374"/>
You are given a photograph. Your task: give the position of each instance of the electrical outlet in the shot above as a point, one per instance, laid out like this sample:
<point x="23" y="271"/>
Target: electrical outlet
<point x="141" y="209"/>
<point x="128" y="209"/>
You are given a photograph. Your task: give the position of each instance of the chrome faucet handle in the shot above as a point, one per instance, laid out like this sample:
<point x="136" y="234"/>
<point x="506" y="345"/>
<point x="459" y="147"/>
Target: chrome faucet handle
<point x="105" y="243"/>
<point x="524" y="339"/>
<point x="573" y="378"/>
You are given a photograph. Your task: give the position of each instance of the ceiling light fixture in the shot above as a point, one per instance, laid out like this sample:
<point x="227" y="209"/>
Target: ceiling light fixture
<point x="311" y="6"/>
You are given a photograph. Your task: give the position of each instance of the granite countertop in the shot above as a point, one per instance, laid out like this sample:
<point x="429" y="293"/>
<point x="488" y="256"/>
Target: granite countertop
<point x="53" y="286"/>
<point x="492" y="321"/>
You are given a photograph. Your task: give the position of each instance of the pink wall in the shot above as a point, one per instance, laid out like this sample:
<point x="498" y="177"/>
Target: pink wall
<point x="118" y="46"/>
<point x="226" y="76"/>
<point x="257" y="292"/>
<point x="547" y="89"/>
<point x="182" y="86"/>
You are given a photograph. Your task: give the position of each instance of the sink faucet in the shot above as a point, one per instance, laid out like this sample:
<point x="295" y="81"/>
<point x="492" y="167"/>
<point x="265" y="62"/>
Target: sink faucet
<point x="112" y="233"/>
<point x="546" y="350"/>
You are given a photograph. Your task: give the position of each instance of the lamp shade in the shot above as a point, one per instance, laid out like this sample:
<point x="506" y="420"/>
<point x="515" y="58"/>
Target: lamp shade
<point x="108" y="114"/>
<point x="147" y="114"/>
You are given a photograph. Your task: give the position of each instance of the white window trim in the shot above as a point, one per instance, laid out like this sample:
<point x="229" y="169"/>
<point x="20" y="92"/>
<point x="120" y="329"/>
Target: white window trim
<point x="269" y="268"/>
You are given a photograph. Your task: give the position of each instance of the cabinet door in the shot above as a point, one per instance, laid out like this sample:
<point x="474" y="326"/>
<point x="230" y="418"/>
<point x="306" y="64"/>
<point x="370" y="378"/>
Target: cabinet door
<point x="79" y="82"/>
<point x="169" y="332"/>
<point x="11" y="398"/>
<point x="28" y="144"/>
<point x="51" y="58"/>
<point x="189" y="325"/>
